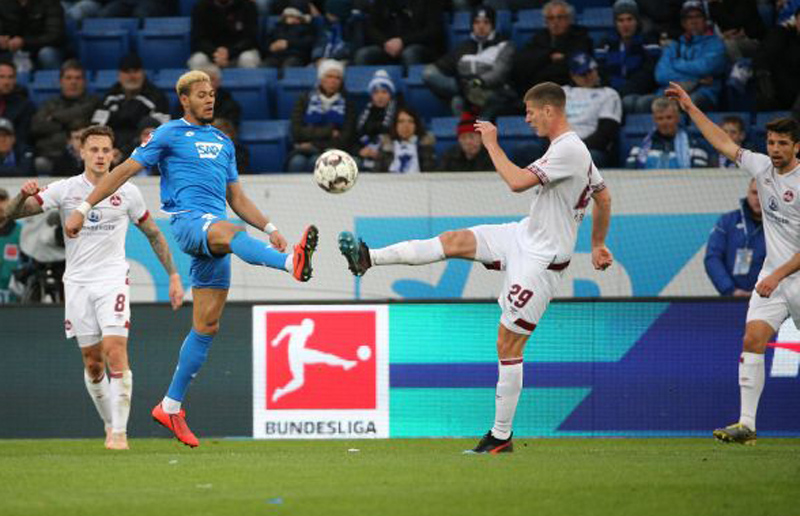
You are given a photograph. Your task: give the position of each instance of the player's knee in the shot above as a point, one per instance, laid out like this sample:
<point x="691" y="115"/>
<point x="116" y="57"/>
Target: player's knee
<point x="207" y="327"/>
<point x="751" y="343"/>
<point x="94" y="368"/>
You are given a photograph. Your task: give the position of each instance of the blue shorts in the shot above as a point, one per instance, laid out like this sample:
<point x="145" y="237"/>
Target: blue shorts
<point x="208" y="270"/>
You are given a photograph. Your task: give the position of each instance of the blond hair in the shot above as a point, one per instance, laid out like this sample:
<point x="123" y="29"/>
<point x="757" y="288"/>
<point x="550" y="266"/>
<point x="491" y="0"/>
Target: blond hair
<point x="184" y="84"/>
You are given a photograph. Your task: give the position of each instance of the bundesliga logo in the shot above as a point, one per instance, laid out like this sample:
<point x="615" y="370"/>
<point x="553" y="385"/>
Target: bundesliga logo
<point x="322" y="360"/>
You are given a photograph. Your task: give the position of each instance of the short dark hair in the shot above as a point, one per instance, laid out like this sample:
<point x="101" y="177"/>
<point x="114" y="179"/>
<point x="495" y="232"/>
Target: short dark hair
<point x="97" y="130"/>
<point x="547" y="93"/>
<point x="785" y="125"/>
<point x="419" y="125"/>
<point x="735" y="120"/>
<point x="71" y="64"/>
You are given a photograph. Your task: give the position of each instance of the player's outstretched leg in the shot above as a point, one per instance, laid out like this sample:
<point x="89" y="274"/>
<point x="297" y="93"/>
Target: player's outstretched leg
<point x="735" y="433"/>
<point x="257" y="252"/>
<point x="120" y="376"/>
<point x="411" y="252"/>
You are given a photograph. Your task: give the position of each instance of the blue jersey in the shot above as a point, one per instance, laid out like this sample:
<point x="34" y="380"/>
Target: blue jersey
<point x="196" y="163"/>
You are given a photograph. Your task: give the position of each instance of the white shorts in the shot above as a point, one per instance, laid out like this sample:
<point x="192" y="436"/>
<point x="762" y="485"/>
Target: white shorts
<point x="529" y="283"/>
<point x="93" y="311"/>
<point x="776" y="308"/>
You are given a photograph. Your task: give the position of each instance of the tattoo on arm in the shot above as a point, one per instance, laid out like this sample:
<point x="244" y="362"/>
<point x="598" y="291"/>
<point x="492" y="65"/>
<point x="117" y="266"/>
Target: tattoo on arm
<point x="159" y="245"/>
<point x="20" y="207"/>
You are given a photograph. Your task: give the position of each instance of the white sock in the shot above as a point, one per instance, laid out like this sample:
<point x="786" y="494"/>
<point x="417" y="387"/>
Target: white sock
<point x="751" y="383"/>
<point x="289" y="264"/>
<point x="101" y="396"/>
<point x="509" y="387"/>
<point x="410" y="252"/>
<point x="121" y="393"/>
<point x="170" y="406"/>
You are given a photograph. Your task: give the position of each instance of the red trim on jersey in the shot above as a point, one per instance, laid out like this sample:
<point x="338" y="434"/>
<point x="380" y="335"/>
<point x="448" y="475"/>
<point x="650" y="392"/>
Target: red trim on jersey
<point x="127" y="325"/>
<point x="115" y="375"/>
<point x="739" y="154"/>
<point x="38" y="199"/>
<point x="541" y="174"/>
<point x="143" y="217"/>
<point x="511" y="361"/>
<point x="599" y="187"/>
<point x="558" y="266"/>
<point x="494" y="266"/>
<point x="525" y="325"/>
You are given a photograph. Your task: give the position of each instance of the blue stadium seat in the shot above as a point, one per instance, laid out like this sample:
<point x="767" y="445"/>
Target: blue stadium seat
<point x="43" y="85"/>
<point x="185" y="7"/>
<point x="597" y="18"/>
<point x="164" y="42"/>
<point x="295" y="81"/>
<point x="165" y="79"/>
<point x="249" y="86"/>
<point x="765" y="117"/>
<point x="528" y="22"/>
<point x="444" y="129"/>
<point x="103" y="41"/>
<point x="420" y="96"/>
<point x="636" y="127"/>
<point x="268" y="142"/>
<point x="513" y="132"/>
<point x="104" y="79"/>
<point x="356" y="80"/>
<point x="461" y="27"/>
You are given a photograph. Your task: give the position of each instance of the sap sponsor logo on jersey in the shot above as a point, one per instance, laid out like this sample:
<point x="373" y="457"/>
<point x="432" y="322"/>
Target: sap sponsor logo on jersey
<point x="208" y="150"/>
<point x="320" y="372"/>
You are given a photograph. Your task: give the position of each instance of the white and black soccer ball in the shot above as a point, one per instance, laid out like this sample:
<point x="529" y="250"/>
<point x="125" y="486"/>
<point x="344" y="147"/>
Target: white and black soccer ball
<point x="335" y="171"/>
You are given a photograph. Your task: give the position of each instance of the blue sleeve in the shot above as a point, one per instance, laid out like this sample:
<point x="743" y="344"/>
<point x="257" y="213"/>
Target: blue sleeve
<point x="149" y="153"/>
<point x="664" y="68"/>
<point x="233" y="172"/>
<point x="715" y="256"/>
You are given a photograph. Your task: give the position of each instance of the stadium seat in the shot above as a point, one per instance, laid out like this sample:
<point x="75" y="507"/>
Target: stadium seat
<point x="164" y="42"/>
<point x="444" y="129"/>
<point x="43" y="85"/>
<point x="103" y="41"/>
<point x="513" y="132"/>
<point x="762" y="118"/>
<point x="268" y="141"/>
<point x="165" y="79"/>
<point x="421" y="97"/>
<point x="528" y="22"/>
<point x="185" y="7"/>
<point x="104" y="79"/>
<point x="635" y="128"/>
<point x="597" y="18"/>
<point x="294" y="82"/>
<point x="249" y="86"/>
<point x="356" y="81"/>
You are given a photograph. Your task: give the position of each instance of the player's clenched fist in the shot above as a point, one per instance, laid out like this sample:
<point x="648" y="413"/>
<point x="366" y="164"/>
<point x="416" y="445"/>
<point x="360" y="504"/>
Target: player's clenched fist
<point x="73" y="224"/>
<point x="601" y="258"/>
<point x="29" y="188"/>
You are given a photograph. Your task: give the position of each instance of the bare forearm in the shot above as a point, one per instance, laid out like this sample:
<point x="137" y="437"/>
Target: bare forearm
<point x="714" y="134"/>
<point x="161" y="248"/>
<point x="111" y="182"/>
<point x="513" y="176"/>
<point x="18" y="208"/>
<point x="249" y="212"/>
<point x="601" y="220"/>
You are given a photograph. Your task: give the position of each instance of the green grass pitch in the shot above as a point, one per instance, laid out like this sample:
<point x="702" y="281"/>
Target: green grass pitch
<point x="641" y="477"/>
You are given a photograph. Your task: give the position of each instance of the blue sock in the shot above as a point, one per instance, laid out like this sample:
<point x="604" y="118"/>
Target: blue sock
<point x="256" y="252"/>
<point x="192" y="357"/>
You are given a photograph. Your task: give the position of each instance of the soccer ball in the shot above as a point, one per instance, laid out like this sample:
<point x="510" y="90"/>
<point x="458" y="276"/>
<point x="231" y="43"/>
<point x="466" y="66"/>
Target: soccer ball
<point x="335" y="171"/>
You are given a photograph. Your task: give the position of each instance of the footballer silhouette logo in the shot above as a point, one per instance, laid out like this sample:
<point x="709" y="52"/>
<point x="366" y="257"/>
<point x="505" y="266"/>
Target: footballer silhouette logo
<point x="323" y="360"/>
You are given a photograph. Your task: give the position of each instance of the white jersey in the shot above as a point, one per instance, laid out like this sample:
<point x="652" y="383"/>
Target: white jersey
<point x="98" y="253"/>
<point x="569" y="179"/>
<point x="586" y="106"/>
<point x="779" y="195"/>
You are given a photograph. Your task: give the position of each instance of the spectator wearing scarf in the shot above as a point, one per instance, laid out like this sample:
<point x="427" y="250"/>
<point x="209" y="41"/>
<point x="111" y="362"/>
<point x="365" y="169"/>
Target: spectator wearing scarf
<point x="667" y="145"/>
<point x="408" y="149"/>
<point x="376" y="119"/>
<point x="322" y="118"/>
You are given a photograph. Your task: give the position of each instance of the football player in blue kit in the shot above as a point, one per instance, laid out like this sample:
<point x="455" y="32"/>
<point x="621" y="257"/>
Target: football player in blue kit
<point x="197" y="164"/>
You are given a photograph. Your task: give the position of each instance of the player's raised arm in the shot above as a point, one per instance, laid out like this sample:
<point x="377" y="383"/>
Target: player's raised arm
<point x="161" y="248"/>
<point x="23" y="204"/>
<point x="601" y="219"/>
<point x="516" y="178"/>
<point x="718" y="138"/>
<point x="109" y="184"/>
<point x="249" y="212"/>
